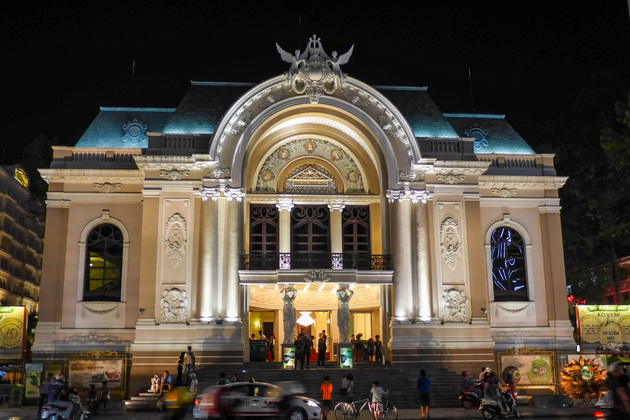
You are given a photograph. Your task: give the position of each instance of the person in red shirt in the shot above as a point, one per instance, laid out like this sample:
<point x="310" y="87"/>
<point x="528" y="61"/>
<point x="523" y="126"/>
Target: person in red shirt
<point x="327" y="388"/>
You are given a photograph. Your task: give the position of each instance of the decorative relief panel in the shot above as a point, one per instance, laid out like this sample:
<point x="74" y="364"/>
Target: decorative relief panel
<point x="451" y="178"/>
<point x="504" y="192"/>
<point x="107" y="187"/>
<point x="176" y="232"/>
<point x="174" y="306"/>
<point x="455" y="307"/>
<point x="450" y="242"/>
<point x="174" y="174"/>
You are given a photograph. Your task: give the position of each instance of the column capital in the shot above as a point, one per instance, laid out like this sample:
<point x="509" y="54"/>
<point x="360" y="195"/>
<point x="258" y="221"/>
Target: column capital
<point x="222" y="191"/>
<point x="285" y="203"/>
<point x="407" y="193"/>
<point x="336" y="205"/>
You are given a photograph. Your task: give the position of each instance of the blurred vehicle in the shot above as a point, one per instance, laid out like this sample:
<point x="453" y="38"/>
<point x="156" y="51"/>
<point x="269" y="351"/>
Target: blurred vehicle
<point x="254" y="399"/>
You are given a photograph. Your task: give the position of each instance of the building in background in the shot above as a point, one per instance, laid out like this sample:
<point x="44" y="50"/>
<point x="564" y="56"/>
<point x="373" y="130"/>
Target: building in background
<point x="21" y="241"/>
<point x="311" y="201"/>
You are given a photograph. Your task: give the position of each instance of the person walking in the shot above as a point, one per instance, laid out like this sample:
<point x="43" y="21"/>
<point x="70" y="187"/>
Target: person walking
<point x="103" y="396"/>
<point x="321" y="352"/>
<point x="347" y="387"/>
<point x="423" y="386"/>
<point x="326" y="388"/>
<point x="376" y="395"/>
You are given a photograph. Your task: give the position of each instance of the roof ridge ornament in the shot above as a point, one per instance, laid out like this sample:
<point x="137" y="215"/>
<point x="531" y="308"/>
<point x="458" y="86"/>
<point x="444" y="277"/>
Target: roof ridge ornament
<point x="314" y="72"/>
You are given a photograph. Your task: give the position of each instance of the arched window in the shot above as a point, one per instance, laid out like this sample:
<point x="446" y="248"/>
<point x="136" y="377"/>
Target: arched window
<point x="104" y="263"/>
<point x="509" y="276"/>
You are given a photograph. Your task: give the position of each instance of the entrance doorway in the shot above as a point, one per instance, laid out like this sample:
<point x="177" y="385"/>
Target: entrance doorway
<point x="362" y="324"/>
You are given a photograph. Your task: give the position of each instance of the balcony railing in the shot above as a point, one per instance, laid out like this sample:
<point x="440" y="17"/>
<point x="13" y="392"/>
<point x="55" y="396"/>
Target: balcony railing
<point x="287" y="261"/>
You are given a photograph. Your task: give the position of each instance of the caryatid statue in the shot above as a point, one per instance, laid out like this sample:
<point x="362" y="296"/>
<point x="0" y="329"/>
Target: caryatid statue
<point x="289" y="293"/>
<point x="344" y="294"/>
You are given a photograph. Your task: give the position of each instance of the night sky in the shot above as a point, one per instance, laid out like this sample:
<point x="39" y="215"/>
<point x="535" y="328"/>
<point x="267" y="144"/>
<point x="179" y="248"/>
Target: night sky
<point x="528" y="59"/>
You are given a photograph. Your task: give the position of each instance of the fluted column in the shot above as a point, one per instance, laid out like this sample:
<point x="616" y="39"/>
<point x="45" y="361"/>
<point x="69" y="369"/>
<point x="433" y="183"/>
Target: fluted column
<point x="336" y="233"/>
<point x="208" y="260"/>
<point x="400" y="237"/>
<point x="423" y="288"/>
<point x="234" y="223"/>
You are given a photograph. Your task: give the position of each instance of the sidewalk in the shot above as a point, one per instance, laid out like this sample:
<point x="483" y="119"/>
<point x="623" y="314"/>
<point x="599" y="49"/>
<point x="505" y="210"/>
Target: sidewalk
<point x="116" y="412"/>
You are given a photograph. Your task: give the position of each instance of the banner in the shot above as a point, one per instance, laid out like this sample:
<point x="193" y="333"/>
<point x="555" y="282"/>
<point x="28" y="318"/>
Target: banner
<point x="604" y="327"/>
<point x="83" y="372"/>
<point x="33" y="379"/>
<point x="12" y="332"/>
<point x="528" y="369"/>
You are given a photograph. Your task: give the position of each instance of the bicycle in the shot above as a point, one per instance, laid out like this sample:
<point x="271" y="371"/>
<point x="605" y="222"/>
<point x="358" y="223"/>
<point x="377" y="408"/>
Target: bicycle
<point x="349" y="411"/>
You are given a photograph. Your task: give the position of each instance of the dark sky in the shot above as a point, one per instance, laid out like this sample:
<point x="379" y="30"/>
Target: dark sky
<point x="528" y="58"/>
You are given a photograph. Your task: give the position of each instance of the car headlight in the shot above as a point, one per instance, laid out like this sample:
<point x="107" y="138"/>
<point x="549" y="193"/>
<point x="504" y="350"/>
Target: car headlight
<point x="312" y="403"/>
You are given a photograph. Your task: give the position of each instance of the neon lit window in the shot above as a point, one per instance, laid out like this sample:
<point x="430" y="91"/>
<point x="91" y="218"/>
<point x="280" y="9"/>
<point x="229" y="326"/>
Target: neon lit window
<point x="103" y="268"/>
<point x="509" y="276"/>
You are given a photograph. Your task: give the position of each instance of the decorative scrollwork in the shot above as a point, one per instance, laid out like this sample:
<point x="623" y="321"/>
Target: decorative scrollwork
<point x="455" y="306"/>
<point x="450" y="241"/>
<point x="174" y="305"/>
<point x="175" y="243"/>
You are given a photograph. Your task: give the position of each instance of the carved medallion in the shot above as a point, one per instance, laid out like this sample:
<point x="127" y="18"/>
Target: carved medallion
<point x="450" y="241"/>
<point x="175" y="243"/>
<point x="454" y="306"/>
<point x="174" y="306"/>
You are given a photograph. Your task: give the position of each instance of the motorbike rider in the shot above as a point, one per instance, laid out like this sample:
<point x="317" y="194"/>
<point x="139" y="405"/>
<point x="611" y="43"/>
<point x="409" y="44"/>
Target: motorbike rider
<point x="58" y="396"/>
<point x="493" y="391"/>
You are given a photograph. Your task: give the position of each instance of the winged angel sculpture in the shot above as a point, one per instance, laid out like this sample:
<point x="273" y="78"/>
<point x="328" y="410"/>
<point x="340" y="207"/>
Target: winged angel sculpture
<point x="314" y="72"/>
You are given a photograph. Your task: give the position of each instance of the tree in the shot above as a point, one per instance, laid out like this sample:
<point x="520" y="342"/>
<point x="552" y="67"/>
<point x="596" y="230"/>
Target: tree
<point x="38" y="154"/>
<point x="594" y="200"/>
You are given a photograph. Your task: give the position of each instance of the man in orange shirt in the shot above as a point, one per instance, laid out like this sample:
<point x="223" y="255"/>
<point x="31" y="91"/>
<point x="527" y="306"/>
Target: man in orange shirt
<point x="327" y="388"/>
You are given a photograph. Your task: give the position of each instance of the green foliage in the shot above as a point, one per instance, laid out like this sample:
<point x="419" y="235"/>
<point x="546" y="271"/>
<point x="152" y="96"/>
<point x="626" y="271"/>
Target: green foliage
<point x="35" y="156"/>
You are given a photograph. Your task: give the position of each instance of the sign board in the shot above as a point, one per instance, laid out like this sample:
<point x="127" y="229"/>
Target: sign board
<point x="12" y="332"/>
<point x="288" y="356"/>
<point x="33" y="379"/>
<point x="528" y="369"/>
<point x="83" y="372"/>
<point x="345" y="356"/>
<point x="603" y="326"/>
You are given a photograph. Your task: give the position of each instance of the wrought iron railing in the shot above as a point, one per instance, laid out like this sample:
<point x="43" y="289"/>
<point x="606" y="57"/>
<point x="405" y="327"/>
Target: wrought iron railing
<point x="298" y="260"/>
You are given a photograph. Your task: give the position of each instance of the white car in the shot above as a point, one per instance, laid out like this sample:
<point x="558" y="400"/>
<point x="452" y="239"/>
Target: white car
<point x="254" y="399"/>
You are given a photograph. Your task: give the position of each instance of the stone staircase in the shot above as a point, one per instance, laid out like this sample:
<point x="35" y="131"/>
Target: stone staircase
<point x="400" y="382"/>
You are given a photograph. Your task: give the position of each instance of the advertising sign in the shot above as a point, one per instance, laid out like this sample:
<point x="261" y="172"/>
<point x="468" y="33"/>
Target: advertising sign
<point x="12" y="332"/>
<point x="83" y="372"/>
<point x="345" y="356"/>
<point x="33" y="379"/>
<point x="565" y="359"/>
<point x="288" y="357"/>
<point x="605" y="326"/>
<point x="528" y="369"/>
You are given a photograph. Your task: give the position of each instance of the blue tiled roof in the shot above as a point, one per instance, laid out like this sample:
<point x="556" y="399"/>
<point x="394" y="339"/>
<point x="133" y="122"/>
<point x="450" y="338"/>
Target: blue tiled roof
<point x="108" y="128"/>
<point x="498" y="134"/>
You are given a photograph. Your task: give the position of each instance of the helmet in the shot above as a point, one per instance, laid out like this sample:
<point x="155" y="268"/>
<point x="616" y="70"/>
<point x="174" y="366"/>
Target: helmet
<point x="465" y="373"/>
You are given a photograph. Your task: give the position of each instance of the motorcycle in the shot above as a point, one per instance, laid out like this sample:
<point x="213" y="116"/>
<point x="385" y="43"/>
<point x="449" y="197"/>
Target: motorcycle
<point x="55" y="412"/>
<point x="469" y="399"/>
<point x="490" y="408"/>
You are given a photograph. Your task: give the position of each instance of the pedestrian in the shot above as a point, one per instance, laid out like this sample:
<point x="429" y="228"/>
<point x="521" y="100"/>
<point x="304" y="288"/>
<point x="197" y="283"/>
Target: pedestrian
<point x="155" y="383"/>
<point x="376" y="399"/>
<point x="347" y="387"/>
<point x="189" y="362"/>
<point x="327" y="388"/>
<point x="234" y="378"/>
<point x="321" y="352"/>
<point x="261" y="336"/>
<point x="423" y="386"/>
<point x="194" y="383"/>
<point x="103" y="396"/>
<point x="272" y="347"/>
<point x="180" y="368"/>
<point x="378" y="351"/>
<point x="369" y="352"/>
<point x="92" y="398"/>
<point x="358" y="350"/>
<point x="308" y="346"/>
<point x="222" y="379"/>
<point x="43" y="391"/>
<point x="299" y="352"/>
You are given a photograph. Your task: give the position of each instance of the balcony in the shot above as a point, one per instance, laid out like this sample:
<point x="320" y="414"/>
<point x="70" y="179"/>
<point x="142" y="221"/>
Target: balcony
<point x="287" y="261"/>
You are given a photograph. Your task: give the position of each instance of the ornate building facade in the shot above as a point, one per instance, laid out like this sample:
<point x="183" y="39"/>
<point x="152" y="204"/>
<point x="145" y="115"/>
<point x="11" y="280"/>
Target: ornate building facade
<point x="311" y="201"/>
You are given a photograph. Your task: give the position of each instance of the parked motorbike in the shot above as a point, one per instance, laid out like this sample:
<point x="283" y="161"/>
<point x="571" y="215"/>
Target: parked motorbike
<point x="490" y="408"/>
<point x="469" y="399"/>
<point x="54" y="412"/>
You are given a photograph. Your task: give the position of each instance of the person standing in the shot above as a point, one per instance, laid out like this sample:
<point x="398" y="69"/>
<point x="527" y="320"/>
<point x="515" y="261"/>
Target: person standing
<point x="347" y="383"/>
<point x="103" y="396"/>
<point x="180" y="368"/>
<point x="369" y="352"/>
<point x="321" y="352"/>
<point x="272" y="347"/>
<point x="378" y="351"/>
<point x="189" y="362"/>
<point x="423" y="385"/>
<point x="327" y="388"/>
<point x="308" y="346"/>
<point x="376" y="399"/>
<point x="299" y="351"/>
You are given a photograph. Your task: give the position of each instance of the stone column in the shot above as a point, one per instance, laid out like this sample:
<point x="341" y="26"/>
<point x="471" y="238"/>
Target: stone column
<point x="423" y="287"/>
<point x="402" y="256"/>
<point x="336" y="234"/>
<point x="284" y="206"/>
<point x="208" y="260"/>
<point x="234" y="225"/>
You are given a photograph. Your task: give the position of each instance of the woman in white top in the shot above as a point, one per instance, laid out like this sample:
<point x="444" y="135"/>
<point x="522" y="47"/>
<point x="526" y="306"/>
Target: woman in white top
<point x="348" y="384"/>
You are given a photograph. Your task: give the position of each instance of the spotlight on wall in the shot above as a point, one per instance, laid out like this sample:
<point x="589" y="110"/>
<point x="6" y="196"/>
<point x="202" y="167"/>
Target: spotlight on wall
<point x="485" y="311"/>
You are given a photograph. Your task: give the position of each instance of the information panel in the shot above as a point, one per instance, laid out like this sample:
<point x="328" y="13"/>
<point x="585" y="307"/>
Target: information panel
<point x="12" y="332"/>
<point x="605" y="326"/>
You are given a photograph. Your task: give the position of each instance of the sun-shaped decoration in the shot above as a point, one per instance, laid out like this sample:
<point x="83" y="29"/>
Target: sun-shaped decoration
<point x="583" y="379"/>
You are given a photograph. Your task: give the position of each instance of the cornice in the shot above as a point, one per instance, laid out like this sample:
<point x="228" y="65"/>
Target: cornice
<point x="494" y="181"/>
<point x="91" y="175"/>
<point x="307" y="199"/>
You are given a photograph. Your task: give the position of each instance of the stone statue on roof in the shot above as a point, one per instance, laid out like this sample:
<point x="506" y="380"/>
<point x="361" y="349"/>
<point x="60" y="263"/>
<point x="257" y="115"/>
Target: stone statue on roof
<point x="314" y="72"/>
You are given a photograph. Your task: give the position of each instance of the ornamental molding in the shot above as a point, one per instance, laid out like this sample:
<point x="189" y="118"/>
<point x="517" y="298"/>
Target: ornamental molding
<point x="174" y="174"/>
<point x="92" y="337"/>
<point x="99" y="309"/>
<point x="493" y="181"/>
<point x="347" y="199"/>
<point x="317" y="276"/>
<point x="221" y="191"/>
<point x="513" y="308"/>
<point x="217" y="173"/>
<point x="91" y="175"/>
<point x="107" y="187"/>
<point x="451" y="178"/>
<point x="174" y="306"/>
<point x="504" y="192"/>
<point x="157" y="161"/>
<point x="411" y="176"/>
<point x="176" y="232"/>
<point x="407" y="193"/>
<point x="455" y="306"/>
<point x="450" y="242"/>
